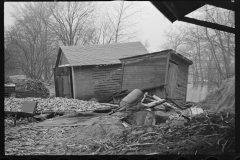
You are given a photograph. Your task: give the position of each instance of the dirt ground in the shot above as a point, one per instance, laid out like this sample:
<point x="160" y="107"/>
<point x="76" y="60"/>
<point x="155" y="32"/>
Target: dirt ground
<point x="201" y="136"/>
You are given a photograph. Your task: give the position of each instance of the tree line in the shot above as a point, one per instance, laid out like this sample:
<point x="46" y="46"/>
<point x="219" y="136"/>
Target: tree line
<point x="39" y="28"/>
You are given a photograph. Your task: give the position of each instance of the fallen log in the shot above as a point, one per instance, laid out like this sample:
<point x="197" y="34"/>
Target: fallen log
<point x="157" y="98"/>
<point x="108" y="104"/>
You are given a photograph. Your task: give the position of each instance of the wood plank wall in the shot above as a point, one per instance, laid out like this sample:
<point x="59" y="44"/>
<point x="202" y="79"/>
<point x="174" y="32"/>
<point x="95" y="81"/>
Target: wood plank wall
<point x="107" y="79"/>
<point x="83" y="82"/>
<point x="97" y="81"/>
<point x="144" y="73"/>
<point x="182" y="77"/>
<point x="172" y="79"/>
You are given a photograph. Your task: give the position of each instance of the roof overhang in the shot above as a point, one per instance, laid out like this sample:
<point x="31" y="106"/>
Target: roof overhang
<point x="177" y="10"/>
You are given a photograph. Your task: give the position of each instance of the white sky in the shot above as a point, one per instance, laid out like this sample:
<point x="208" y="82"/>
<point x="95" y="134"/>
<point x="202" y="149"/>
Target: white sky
<point x="152" y="25"/>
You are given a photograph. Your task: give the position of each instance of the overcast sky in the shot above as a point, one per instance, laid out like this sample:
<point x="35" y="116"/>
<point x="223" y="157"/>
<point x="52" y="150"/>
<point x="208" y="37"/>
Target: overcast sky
<point x="152" y="25"/>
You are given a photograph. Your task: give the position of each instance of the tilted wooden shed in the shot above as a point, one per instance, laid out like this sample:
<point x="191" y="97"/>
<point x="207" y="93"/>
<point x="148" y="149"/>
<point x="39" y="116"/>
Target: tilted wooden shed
<point x="157" y="73"/>
<point x="92" y="71"/>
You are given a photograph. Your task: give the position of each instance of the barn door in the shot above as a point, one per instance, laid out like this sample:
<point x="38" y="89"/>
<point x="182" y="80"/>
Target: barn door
<point x="172" y="79"/>
<point x="62" y="82"/>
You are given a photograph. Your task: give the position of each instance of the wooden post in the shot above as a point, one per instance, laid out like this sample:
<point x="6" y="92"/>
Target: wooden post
<point x="55" y="82"/>
<point x="122" y="75"/>
<point x="166" y="84"/>
<point x="73" y="83"/>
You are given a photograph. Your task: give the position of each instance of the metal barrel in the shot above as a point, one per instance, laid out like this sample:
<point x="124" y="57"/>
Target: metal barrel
<point x="132" y="99"/>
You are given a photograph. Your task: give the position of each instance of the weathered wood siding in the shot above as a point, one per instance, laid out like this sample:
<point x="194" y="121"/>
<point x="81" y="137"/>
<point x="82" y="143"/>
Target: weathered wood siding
<point x="172" y="79"/>
<point x="62" y="81"/>
<point x="107" y="80"/>
<point x="84" y="87"/>
<point x="182" y="77"/>
<point x="144" y="72"/>
<point x="97" y="81"/>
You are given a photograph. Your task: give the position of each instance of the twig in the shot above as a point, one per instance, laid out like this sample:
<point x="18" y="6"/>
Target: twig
<point x="103" y="129"/>
<point x="138" y="144"/>
<point x="224" y="146"/>
<point x="196" y="152"/>
<point x="154" y="153"/>
<point x="140" y="137"/>
<point x="208" y="143"/>
<point x="211" y="135"/>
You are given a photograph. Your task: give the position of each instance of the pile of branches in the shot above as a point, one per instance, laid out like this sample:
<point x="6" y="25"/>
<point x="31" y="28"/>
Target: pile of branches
<point x="211" y="134"/>
<point x="32" y="85"/>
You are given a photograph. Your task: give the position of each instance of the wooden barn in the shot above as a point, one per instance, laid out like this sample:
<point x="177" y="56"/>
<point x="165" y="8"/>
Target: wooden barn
<point x="157" y="73"/>
<point x="92" y="71"/>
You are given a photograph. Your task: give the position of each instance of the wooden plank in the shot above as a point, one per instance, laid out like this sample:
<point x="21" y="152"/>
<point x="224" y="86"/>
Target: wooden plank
<point x="107" y="70"/>
<point x="109" y="73"/>
<point x="107" y="82"/>
<point x="101" y="73"/>
<point x="107" y="90"/>
<point x="106" y="87"/>
<point x="73" y="83"/>
<point x="104" y="92"/>
<point x="107" y="76"/>
<point x="55" y="82"/>
<point x="104" y="74"/>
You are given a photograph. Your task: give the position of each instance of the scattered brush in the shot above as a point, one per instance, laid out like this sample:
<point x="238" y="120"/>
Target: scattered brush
<point x="221" y="99"/>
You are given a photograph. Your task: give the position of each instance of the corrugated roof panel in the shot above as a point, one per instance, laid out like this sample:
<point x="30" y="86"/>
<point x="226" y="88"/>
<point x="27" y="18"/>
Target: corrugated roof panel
<point x="102" y="54"/>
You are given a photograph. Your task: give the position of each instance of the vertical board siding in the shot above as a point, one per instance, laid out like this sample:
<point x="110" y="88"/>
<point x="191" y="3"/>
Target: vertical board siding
<point x="83" y="82"/>
<point x="181" y="83"/>
<point x="144" y="73"/>
<point x="172" y="79"/>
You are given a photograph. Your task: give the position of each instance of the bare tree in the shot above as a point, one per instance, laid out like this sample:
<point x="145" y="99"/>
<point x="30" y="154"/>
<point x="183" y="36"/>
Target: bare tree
<point x="31" y="40"/>
<point x="118" y="21"/>
<point x="175" y="37"/>
<point x="71" y="21"/>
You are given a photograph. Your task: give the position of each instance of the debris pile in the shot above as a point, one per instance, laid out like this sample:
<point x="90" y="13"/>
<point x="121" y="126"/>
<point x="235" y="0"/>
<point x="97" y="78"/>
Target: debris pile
<point x="221" y="99"/>
<point x="205" y="134"/>
<point x="51" y="104"/>
<point x="31" y="85"/>
<point x="142" y="124"/>
<point x="208" y="134"/>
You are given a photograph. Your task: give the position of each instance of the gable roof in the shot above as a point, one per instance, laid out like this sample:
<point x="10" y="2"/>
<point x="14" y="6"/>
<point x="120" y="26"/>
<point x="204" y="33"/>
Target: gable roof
<point x="100" y="54"/>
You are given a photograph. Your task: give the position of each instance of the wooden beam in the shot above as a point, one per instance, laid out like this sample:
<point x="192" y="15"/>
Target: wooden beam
<point x="208" y="24"/>
<point x="172" y="8"/>
<point x="226" y="5"/>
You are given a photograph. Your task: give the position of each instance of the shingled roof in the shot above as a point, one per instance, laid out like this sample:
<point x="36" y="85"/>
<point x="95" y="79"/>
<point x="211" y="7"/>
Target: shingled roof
<point x="100" y="54"/>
